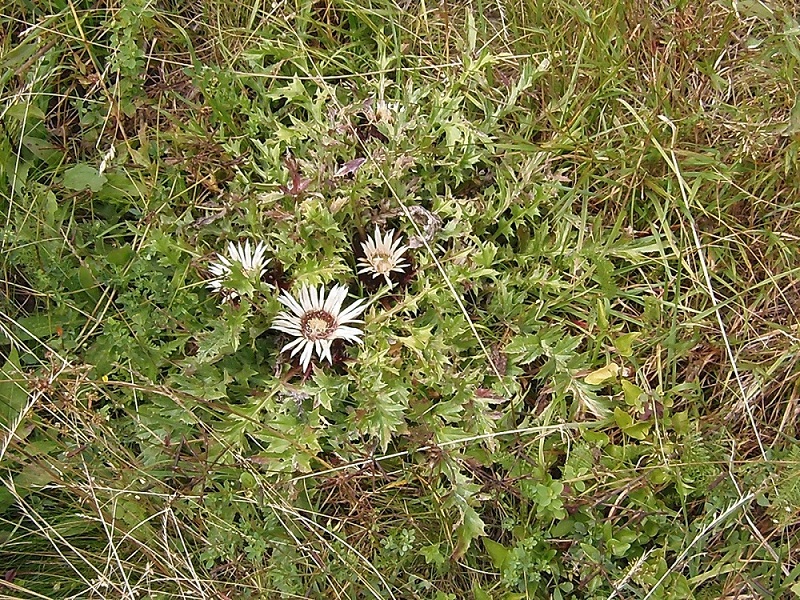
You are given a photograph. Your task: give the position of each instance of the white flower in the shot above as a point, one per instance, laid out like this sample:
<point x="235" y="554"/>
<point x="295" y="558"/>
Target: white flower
<point x="250" y="260"/>
<point x="385" y="111"/>
<point x="316" y="321"/>
<point x="383" y="255"/>
<point x="107" y="158"/>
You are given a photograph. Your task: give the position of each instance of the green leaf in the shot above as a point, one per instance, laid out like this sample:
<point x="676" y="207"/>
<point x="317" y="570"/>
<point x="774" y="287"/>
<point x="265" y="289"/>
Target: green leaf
<point x="680" y="422"/>
<point x="552" y="343"/>
<point x="88" y="282"/>
<point x="223" y="339"/>
<point x="624" y="343"/>
<point x="471" y="527"/>
<point x="84" y="177"/>
<point x="289" y="92"/>
<point x="32" y="478"/>
<point x="603" y="374"/>
<point x="43" y="149"/>
<point x="622" y="418"/>
<point x="631" y="392"/>
<point x="754" y="8"/>
<point x="592" y="553"/>
<point x="248" y="481"/>
<point x="629" y="427"/>
<point x="497" y="552"/>
<point x="6" y="499"/>
<point x="472" y="32"/>
<point x="527" y="346"/>
<point x="794" y="117"/>
<point x="659" y="476"/>
<point x="381" y="408"/>
<point x="596" y="437"/>
<point x="432" y="555"/>
<point x="13" y="394"/>
<point x="419" y="340"/>
<point x="617" y="547"/>
<point x="18" y="55"/>
<point x="50" y="208"/>
<point x="480" y="594"/>
<point x="638" y="431"/>
<point x="328" y="388"/>
<point x="25" y="112"/>
<point x="120" y="256"/>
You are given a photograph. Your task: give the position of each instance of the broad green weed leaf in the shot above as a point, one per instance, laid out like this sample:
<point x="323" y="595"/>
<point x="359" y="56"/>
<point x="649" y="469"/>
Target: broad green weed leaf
<point x="19" y="54"/>
<point x="120" y="256"/>
<point x="480" y="594"/>
<point x="42" y="149"/>
<point x="32" y="478"/>
<point x="84" y="177"/>
<point x="625" y="422"/>
<point x="680" y="422"/>
<point x="471" y="528"/>
<point x="88" y="282"/>
<point x="603" y="374"/>
<point x="624" y="343"/>
<point x="754" y="8"/>
<point x="632" y="393"/>
<point x="622" y="419"/>
<point x="638" y="431"/>
<point x="6" y="499"/>
<point x="618" y="548"/>
<point x="25" y="112"/>
<point x="50" y="208"/>
<point x="497" y="552"/>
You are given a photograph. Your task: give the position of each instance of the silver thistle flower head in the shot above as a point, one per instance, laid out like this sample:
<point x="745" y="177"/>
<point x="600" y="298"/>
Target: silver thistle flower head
<point x="315" y="319"/>
<point x="386" y="111"/>
<point x="251" y="261"/>
<point x="383" y="255"/>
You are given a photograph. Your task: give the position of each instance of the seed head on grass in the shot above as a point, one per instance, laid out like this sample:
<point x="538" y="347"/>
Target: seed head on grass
<point x="316" y="320"/>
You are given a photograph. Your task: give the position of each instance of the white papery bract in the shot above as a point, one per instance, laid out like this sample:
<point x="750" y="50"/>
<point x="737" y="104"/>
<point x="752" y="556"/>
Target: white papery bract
<point x="315" y="319"/>
<point x="251" y="261"/>
<point x="383" y="255"/>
